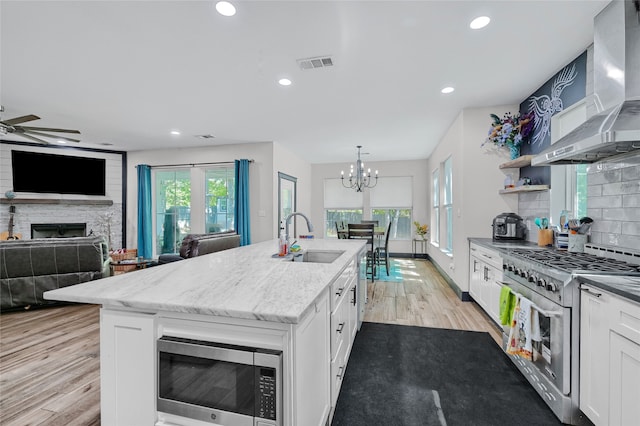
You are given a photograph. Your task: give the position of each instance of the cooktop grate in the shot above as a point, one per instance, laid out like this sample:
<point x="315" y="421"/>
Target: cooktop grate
<point x="569" y="261"/>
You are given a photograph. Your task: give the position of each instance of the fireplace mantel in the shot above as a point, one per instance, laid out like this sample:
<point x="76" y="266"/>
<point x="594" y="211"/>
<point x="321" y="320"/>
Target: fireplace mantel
<point x="55" y="201"/>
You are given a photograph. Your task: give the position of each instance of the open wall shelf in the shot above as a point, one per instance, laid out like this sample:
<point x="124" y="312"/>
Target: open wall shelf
<point x="525" y="188"/>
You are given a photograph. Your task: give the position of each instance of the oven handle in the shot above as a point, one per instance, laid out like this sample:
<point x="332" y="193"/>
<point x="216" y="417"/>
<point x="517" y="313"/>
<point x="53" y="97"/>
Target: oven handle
<point x="534" y="306"/>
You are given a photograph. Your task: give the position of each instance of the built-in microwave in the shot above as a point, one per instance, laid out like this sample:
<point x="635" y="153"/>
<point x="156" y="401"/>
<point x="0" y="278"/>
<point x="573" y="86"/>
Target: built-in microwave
<point x="218" y="383"/>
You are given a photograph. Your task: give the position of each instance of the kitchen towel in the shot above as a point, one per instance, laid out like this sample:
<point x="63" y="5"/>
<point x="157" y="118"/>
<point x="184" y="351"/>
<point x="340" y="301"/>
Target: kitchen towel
<point x="507" y="305"/>
<point x="525" y="328"/>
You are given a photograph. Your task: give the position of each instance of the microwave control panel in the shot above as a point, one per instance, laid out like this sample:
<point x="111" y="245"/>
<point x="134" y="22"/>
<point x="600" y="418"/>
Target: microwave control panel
<point x="266" y="393"/>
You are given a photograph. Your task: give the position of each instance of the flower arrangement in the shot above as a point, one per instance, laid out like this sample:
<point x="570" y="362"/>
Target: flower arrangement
<point x="421" y="229"/>
<point x="510" y="131"/>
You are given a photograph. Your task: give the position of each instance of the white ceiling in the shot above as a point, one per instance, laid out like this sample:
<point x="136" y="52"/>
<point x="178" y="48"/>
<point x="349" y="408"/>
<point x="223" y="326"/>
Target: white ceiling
<point x="128" y="72"/>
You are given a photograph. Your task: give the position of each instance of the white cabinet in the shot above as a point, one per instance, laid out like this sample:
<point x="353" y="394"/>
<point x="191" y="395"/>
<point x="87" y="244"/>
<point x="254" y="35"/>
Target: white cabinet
<point x="312" y="391"/>
<point x="127" y="368"/>
<point x="485" y="279"/>
<point x="594" y="354"/>
<point x="609" y="358"/>
<point x="344" y="324"/>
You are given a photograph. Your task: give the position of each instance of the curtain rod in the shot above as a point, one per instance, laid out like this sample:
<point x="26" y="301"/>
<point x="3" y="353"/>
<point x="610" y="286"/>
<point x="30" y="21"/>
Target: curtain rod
<point x="195" y="164"/>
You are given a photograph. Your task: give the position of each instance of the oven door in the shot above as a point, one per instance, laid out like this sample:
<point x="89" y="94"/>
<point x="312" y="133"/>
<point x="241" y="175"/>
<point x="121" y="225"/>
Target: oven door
<point x="552" y="355"/>
<point x="213" y="383"/>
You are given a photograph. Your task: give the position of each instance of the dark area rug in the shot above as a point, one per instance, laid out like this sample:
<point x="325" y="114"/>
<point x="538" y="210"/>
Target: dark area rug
<point x="401" y="375"/>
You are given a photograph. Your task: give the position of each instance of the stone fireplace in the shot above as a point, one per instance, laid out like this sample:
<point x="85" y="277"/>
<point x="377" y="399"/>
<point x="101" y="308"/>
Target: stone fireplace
<point x="58" y="230"/>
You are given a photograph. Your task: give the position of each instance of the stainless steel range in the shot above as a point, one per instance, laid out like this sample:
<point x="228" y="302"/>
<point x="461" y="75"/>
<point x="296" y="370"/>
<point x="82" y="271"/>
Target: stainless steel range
<point x="548" y="278"/>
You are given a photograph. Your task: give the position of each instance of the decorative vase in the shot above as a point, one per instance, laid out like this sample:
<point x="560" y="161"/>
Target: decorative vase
<point x="514" y="151"/>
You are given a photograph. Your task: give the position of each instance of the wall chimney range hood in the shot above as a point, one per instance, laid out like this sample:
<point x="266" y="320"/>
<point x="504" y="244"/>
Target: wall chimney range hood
<point x="616" y="86"/>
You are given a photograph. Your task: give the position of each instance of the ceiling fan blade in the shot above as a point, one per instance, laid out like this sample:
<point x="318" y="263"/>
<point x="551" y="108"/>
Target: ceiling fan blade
<point x="48" y="135"/>
<point x="22" y="119"/>
<point x="49" y="129"/>
<point x="34" y="138"/>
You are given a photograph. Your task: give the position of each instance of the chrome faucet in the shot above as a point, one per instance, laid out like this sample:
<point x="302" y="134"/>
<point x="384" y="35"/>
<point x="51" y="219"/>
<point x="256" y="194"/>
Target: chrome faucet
<point x="288" y="219"/>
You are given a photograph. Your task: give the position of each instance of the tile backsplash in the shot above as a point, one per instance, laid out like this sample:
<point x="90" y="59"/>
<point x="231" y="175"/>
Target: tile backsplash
<point x="613" y="202"/>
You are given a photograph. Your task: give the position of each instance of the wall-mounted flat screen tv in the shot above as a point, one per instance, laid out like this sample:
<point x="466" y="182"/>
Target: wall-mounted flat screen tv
<point x="57" y="174"/>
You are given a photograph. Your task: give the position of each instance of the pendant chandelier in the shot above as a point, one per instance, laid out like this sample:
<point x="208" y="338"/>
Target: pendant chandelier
<point x="358" y="178"/>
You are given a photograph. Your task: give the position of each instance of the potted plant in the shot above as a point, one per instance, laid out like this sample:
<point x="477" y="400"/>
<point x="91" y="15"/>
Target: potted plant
<point x="510" y="131"/>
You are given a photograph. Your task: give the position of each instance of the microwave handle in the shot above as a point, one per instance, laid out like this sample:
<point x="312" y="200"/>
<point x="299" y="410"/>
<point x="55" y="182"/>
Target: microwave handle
<point x="206" y="351"/>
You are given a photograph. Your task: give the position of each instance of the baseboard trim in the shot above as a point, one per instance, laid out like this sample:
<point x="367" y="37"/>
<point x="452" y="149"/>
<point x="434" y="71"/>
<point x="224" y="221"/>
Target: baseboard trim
<point x="410" y="255"/>
<point x="462" y="295"/>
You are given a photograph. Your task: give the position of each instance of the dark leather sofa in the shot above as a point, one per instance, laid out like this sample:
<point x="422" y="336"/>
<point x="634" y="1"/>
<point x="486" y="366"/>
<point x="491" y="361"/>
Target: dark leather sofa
<point x="28" y="268"/>
<point x="199" y="244"/>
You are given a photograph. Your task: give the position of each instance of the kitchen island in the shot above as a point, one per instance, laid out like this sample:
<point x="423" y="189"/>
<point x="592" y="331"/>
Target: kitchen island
<point x="242" y="297"/>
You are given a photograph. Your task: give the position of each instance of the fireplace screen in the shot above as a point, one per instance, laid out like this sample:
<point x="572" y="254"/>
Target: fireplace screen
<point x="58" y="230"/>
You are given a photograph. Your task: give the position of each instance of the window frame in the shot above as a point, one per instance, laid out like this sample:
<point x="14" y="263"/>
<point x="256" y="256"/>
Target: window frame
<point x="435" y="217"/>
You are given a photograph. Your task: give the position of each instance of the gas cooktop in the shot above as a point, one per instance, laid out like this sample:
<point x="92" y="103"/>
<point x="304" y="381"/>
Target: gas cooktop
<point x="571" y="262"/>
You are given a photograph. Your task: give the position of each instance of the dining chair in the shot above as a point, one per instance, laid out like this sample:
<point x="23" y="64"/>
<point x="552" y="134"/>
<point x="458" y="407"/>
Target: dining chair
<point x="383" y="252"/>
<point x="365" y="231"/>
<point x="341" y="232"/>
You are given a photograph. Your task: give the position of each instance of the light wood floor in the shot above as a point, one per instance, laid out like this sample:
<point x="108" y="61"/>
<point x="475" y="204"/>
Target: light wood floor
<point x="49" y="358"/>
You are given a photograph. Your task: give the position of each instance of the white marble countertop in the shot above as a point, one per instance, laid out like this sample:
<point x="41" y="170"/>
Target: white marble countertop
<point x="245" y="282"/>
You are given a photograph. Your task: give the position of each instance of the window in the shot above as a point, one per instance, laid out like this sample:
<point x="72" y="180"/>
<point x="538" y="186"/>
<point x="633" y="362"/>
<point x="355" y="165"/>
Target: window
<point x="341" y="217"/>
<point x="219" y="199"/>
<point x="401" y="227"/>
<point x="435" y="217"/>
<point x="173" y="209"/>
<point x="195" y="200"/>
<point x="448" y="203"/>
<point x="341" y="206"/>
<point x="392" y="199"/>
<point x="569" y="182"/>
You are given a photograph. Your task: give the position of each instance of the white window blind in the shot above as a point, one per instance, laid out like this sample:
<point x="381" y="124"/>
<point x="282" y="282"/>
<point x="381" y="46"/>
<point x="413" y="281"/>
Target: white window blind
<point x="392" y="192"/>
<point x="337" y="196"/>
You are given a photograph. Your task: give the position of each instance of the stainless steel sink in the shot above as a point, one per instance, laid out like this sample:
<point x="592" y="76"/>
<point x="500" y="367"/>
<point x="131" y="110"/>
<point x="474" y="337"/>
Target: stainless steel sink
<point x="317" y="256"/>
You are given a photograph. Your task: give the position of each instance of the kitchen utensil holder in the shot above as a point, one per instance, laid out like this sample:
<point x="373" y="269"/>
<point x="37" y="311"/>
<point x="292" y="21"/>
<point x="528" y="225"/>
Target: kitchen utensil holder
<point x="577" y="242"/>
<point x="545" y="237"/>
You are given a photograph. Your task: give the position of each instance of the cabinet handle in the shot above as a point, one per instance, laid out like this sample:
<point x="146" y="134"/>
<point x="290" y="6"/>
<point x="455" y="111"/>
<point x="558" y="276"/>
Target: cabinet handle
<point x="588" y="290"/>
<point x="354" y="296"/>
<point x="486" y="274"/>
<point x="340" y="327"/>
<point x="340" y="370"/>
<point x="475" y="263"/>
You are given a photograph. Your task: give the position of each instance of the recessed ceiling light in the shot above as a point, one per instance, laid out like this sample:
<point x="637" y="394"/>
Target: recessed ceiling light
<point x="284" y="82"/>
<point x="61" y="141"/>
<point x="447" y="89"/>
<point x="225" y="8"/>
<point x="175" y="132"/>
<point x="479" y="22"/>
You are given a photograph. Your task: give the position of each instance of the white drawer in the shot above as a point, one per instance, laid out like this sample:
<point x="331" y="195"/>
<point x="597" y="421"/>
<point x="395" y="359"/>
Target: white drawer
<point x="338" y="287"/>
<point x="339" y="328"/>
<point x="338" y="369"/>
<point x="625" y="318"/>
<point x="492" y="257"/>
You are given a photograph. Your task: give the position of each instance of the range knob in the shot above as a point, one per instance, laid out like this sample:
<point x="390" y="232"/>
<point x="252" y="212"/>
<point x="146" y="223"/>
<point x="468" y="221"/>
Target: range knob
<point x="511" y="268"/>
<point x="551" y="286"/>
<point x="523" y="273"/>
<point x="541" y="282"/>
<point x="532" y="278"/>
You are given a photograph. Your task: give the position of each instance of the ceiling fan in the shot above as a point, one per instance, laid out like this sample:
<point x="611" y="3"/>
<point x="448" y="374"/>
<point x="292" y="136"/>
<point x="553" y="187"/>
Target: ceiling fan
<point x="33" y="133"/>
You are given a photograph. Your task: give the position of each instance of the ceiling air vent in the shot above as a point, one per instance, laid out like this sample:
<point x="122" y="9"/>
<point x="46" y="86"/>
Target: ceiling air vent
<point x="317" y="62"/>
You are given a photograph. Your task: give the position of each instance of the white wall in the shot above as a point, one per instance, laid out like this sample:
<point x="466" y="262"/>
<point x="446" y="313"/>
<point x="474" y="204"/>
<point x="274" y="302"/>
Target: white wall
<point x="285" y="161"/>
<point x="260" y="180"/>
<point x="417" y="169"/>
<point x="476" y="182"/>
